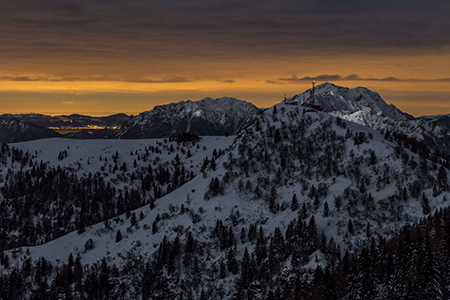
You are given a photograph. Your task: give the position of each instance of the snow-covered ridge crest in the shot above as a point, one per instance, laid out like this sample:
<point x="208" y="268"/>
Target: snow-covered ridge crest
<point x="204" y="117"/>
<point x="365" y="107"/>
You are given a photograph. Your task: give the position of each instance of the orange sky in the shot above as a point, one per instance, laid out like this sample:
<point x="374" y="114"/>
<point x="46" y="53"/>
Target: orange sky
<point x="101" y="58"/>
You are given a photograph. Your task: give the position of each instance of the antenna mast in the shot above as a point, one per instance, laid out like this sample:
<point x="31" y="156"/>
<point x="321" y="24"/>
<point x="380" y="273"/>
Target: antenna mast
<point x="312" y="93"/>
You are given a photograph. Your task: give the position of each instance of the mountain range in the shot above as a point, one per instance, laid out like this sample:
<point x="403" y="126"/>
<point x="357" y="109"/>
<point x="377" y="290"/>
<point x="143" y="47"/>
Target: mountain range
<point x="297" y="204"/>
<point x="26" y="127"/>
<point x="228" y="116"/>
<point x="74" y="120"/>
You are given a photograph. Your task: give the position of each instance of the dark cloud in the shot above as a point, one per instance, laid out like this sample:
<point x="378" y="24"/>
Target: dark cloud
<point x="31" y="78"/>
<point x="324" y="77"/>
<point x="307" y="78"/>
<point x="166" y="28"/>
<point x="229" y="81"/>
<point x="21" y="78"/>
<point x="169" y="79"/>
<point x="354" y="77"/>
<point x="273" y="82"/>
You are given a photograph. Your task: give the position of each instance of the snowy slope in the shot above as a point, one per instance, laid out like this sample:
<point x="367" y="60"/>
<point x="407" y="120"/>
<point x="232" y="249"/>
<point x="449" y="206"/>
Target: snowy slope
<point x="126" y="174"/>
<point x="82" y="151"/>
<point x="205" y="117"/>
<point x="367" y="108"/>
<point x="336" y="98"/>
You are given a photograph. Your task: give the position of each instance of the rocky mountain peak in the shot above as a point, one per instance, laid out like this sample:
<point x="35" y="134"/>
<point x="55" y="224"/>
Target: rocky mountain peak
<point x="204" y="117"/>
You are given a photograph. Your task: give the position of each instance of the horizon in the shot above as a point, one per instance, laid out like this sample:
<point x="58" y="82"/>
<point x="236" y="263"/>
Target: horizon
<point x="97" y="58"/>
<point x="416" y="110"/>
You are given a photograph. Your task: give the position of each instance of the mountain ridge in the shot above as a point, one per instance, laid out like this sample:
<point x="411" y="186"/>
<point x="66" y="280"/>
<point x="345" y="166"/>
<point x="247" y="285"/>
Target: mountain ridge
<point x="72" y="120"/>
<point x="208" y="116"/>
<point x="365" y="107"/>
<point x="352" y="100"/>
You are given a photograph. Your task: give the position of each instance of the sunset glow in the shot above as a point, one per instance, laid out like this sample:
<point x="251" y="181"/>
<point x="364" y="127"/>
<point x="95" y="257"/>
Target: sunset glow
<point x="79" y="57"/>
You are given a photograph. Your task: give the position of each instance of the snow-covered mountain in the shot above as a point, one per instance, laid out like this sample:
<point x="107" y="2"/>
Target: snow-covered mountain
<point x="204" y="117"/>
<point x="294" y="190"/>
<point x="365" y="107"/>
<point x="13" y="130"/>
<point x="333" y="98"/>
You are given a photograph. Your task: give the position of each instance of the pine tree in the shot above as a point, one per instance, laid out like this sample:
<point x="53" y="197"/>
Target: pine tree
<point x="80" y="224"/>
<point x="337" y="202"/>
<point x="155" y="226"/>
<point x="304" y="211"/>
<point x="350" y="228"/>
<point x="260" y="248"/>
<point x="373" y="158"/>
<point x="316" y="202"/>
<point x="368" y="231"/>
<point x="425" y="205"/>
<point x="442" y="266"/>
<point x="147" y="281"/>
<point x="133" y="220"/>
<point x="326" y="209"/>
<point x="442" y="178"/>
<point x="232" y="263"/>
<point x="246" y="270"/>
<point x="273" y="196"/>
<point x="222" y="270"/>
<point x="103" y="278"/>
<point x="78" y="270"/>
<point x="118" y="236"/>
<point x="213" y="164"/>
<point x="294" y="203"/>
<point x="243" y="235"/>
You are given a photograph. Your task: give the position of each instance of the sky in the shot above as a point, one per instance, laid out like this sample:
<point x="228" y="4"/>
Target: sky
<point x="101" y="57"/>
